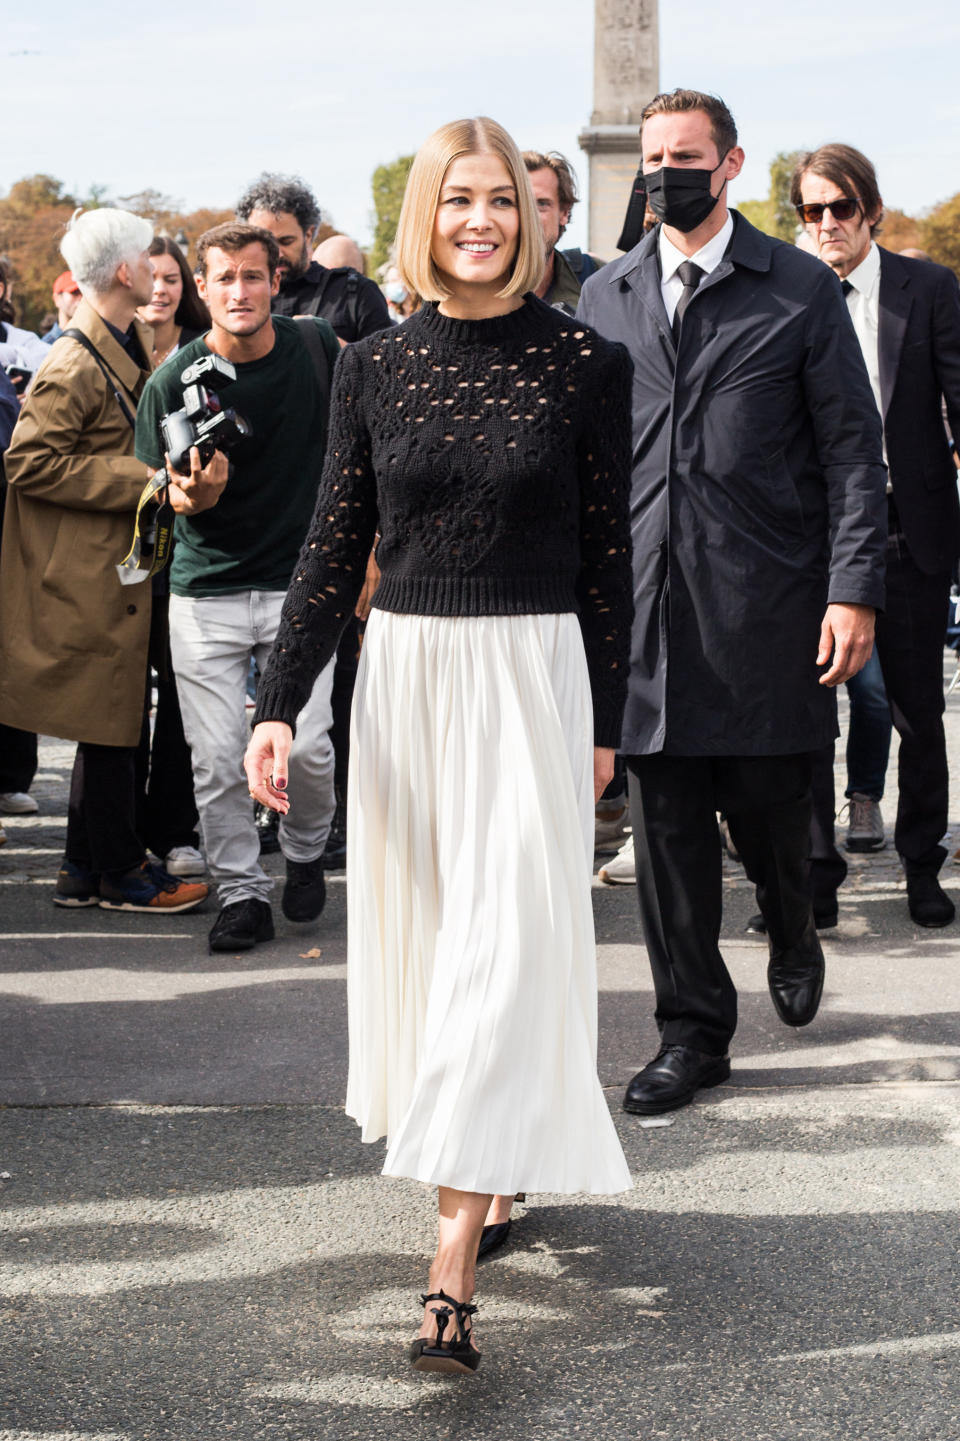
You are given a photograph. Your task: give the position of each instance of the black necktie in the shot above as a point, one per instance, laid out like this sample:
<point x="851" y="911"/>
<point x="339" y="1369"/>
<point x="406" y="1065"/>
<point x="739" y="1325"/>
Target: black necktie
<point x="846" y="287"/>
<point x="691" y="275"/>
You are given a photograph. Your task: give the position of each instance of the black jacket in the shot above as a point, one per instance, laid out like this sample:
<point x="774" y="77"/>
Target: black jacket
<point x="919" y="352"/>
<point x="758" y="495"/>
<point x="352" y="303"/>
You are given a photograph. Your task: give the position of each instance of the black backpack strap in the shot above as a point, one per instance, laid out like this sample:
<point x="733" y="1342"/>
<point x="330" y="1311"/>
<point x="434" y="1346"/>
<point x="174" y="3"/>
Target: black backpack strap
<point x="108" y="375"/>
<point x="316" y="348"/>
<point x="353" y="301"/>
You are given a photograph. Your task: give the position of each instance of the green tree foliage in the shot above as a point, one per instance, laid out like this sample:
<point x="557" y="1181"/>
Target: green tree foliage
<point x="783" y="217"/>
<point x="775" y="215"/>
<point x="758" y="214"/>
<point x="389" y="183"/>
<point x="940" y="233"/>
<point x="33" y="216"/>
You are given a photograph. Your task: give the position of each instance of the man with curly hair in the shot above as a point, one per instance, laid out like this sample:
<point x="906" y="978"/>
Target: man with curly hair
<point x="287" y="207"/>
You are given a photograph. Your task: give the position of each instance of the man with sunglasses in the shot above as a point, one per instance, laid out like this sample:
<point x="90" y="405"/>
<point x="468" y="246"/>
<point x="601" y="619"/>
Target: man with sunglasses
<point x="907" y="317"/>
<point x="757" y="519"/>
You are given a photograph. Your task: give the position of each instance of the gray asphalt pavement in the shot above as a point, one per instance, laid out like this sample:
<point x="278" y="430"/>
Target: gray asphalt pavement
<point x="196" y="1245"/>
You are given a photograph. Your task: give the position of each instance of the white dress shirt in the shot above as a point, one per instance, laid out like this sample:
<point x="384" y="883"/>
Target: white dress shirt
<point x="708" y="257"/>
<point x="863" y="303"/>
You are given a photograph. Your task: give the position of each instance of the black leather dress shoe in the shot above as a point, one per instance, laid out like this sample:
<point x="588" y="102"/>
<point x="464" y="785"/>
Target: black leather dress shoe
<point x="672" y="1079"/>
<point x="928" y="902"/>
<point x="795" y="978"/>
<point x="826" y="914"/>
<point x="493" y="1237"/>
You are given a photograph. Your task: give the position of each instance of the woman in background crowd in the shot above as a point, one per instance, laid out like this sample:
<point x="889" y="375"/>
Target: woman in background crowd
<point x="166" y="809"/>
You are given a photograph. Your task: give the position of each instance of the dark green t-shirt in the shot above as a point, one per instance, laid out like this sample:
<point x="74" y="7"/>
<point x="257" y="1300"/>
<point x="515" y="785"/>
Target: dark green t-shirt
<point x="251" y="538"/>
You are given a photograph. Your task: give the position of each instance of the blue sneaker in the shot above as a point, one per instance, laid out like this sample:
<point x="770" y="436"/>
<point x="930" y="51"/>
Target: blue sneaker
<point x="76" y="886"/>
<point x="150" y="888"/>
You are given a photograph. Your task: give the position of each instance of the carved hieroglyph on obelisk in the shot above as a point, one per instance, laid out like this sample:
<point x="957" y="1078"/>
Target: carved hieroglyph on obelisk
<point x="626" y="73"/>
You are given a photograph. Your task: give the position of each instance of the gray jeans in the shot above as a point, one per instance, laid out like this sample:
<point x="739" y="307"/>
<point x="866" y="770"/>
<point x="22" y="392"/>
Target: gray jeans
<point x="212" y="639"/>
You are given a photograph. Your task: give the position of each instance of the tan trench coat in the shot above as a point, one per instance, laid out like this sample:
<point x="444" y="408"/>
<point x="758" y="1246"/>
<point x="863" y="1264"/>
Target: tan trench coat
<point x="73" y="640"/>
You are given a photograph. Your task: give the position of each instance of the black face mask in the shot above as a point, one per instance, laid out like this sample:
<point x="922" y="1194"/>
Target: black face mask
<point x="681" y="198"/>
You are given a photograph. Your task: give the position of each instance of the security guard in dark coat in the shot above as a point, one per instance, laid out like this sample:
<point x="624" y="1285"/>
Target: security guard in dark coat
<point x="759" y="533"/>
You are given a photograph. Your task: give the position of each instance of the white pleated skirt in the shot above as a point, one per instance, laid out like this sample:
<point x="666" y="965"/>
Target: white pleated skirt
<point x="471" y="955"/>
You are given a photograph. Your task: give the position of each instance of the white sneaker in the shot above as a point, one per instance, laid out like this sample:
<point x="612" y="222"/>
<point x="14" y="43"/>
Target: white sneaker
<point x="17" y="803"/>
<point x="184" y="861"/>
<point x="622" y="870"/>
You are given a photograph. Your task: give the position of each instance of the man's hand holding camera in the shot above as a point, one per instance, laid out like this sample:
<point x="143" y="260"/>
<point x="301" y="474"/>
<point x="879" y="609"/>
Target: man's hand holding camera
<point x="202" y="488"/>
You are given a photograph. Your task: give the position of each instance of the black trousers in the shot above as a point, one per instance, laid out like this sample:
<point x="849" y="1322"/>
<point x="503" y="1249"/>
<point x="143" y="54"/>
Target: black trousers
<point x="674" y="802"/>
<point x="101" y="815"/>
<point x="166" y="811"/>
<point x="909" y="640"/>
<point x="18" y="759"/>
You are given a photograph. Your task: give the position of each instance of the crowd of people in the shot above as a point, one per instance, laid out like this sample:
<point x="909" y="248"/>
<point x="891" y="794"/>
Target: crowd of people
<point x="521" y="552"/>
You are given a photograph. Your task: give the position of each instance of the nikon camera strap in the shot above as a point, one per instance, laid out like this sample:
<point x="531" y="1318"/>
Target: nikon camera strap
<point x="152" y="534"/>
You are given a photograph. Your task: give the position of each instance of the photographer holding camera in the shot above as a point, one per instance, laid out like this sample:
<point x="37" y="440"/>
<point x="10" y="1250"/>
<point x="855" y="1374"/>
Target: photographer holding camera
<point x="239" y="528"/>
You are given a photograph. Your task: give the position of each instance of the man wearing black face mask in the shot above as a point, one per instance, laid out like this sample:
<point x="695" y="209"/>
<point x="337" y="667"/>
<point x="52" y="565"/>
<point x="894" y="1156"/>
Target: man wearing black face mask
<point x="758" y="543"/>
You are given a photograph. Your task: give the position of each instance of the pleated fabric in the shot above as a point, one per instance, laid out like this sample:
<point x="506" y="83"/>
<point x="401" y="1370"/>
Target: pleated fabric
<point x="471" y="954"/>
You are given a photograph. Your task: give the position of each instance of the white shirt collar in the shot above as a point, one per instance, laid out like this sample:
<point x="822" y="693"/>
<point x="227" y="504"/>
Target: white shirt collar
<point x="867" y="273"/>
<point x="708" y="257"/>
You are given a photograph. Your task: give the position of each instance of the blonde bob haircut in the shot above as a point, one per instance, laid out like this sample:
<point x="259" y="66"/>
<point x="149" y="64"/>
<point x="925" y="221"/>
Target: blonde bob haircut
<point x="415" y="230"/>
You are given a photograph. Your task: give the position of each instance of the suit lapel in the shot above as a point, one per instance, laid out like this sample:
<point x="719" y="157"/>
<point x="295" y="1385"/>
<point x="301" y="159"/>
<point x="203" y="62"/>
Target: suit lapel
<point x="644" y="281"/>
<point x="894" y="309"/>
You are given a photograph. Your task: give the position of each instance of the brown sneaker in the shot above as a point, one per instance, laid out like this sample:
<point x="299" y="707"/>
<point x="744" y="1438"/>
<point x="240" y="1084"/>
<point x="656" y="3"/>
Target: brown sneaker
<point x="150" y="888"/>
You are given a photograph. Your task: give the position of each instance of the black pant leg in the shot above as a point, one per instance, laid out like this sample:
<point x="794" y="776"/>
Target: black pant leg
<point x="679" y="886"/>
<point x="101" y="829"/>
<point x="768" y="806"/>
<point x="18" y="759"/>
<point x="166" y="808"/>
<point x="910" y="637"/>
<point x="828" y="869"/>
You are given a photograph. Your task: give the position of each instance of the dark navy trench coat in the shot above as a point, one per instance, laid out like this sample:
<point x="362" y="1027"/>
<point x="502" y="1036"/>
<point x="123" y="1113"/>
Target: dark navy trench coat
<point x="758" y="495"/>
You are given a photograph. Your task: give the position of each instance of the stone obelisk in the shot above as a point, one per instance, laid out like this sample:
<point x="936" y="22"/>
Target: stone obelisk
<point x="626" y="72"/>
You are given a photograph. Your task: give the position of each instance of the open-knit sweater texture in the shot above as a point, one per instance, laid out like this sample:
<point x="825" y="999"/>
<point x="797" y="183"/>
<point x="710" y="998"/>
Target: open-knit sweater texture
<point x="493" y="459"/>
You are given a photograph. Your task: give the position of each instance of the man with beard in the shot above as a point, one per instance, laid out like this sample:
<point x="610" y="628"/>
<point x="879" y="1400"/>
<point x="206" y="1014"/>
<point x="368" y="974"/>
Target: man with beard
<point x="355" y="307"/>
<point x="285" y="207"/>
<point x="555" y="191"/>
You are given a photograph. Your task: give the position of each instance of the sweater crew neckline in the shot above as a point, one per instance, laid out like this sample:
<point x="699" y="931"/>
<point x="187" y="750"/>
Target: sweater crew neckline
<point x="514" y="325"/>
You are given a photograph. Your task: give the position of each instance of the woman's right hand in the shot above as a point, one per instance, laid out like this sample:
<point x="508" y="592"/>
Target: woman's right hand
<point x="267" y="762"/>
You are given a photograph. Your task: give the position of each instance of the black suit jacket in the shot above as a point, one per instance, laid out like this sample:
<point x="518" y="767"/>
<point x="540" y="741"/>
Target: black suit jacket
<point x="919" y="352"/>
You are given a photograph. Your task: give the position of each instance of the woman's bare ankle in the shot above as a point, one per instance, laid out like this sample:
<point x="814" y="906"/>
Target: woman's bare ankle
<point x="500" y="1209"/>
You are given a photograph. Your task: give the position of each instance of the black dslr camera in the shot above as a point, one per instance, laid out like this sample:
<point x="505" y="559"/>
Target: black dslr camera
<point x="204" y="420"/>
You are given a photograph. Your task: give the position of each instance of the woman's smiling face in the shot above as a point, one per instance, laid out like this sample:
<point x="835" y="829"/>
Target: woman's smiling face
<point x="476" y="229"/>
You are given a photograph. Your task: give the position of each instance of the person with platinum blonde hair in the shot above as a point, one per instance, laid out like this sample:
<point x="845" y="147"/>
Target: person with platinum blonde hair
<point x="73" y="640"/>
<point x="484" y="446"/>
<point x="98" y="242"/>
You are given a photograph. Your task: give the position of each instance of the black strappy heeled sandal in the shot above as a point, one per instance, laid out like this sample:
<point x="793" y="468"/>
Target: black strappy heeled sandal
<point x="456" y="1355"/>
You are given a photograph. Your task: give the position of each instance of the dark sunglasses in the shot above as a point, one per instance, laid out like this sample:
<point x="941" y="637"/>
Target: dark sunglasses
<point x="844" y="209"/>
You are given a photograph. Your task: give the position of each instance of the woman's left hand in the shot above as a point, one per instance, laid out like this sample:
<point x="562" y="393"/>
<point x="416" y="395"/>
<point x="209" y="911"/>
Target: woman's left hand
<point x="266" y="764"/>
<point x="603" y="759"/>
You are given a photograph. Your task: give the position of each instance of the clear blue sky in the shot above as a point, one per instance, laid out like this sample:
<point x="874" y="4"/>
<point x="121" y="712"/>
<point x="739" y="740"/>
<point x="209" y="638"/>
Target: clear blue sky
<point x="196" y="100"/>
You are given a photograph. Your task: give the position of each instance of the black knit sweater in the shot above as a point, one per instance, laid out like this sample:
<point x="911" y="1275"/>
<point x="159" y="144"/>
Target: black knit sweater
<point x="493" y="456"/>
